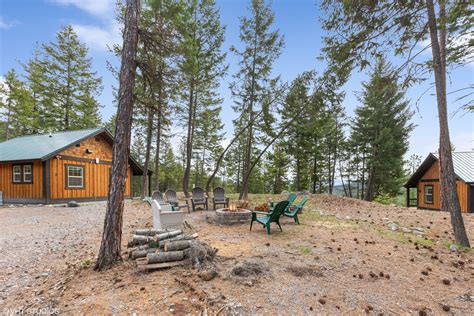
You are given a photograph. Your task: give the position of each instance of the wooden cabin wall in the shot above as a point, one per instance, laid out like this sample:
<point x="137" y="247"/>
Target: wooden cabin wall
<point x="96" y="180"/>
<point x="21" y="192"/>
<point x="96" y="175"/>
<point x="97" y="146"/>
<point x="431" y="179"/>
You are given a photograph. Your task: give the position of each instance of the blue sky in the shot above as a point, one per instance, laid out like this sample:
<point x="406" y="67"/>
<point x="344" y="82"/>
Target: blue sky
<point x="24" y="23"/>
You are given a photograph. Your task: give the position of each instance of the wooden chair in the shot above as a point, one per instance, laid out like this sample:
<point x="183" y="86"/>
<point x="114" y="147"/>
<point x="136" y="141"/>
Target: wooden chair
<point x="271" y="217"/>
<point x="199" y="198"/>
<point x="219" y="197"/>
<point x="158" y="197"/>
<point x="172" y="198"/>
<point x="293" y="213"/>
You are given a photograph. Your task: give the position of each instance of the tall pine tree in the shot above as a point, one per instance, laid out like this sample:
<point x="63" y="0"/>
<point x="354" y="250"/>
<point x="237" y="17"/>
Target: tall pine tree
<point x="68" y="85"/>
<point x="381" y="130"/>
<point x="253" y="80"/>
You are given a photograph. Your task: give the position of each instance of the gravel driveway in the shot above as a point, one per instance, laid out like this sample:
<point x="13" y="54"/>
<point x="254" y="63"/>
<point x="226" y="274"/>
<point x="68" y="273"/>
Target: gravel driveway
<point x="37" y="241"/>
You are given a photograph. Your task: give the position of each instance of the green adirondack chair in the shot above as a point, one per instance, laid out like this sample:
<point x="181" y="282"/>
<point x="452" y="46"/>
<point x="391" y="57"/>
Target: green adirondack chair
<point x="294" y="213"/>
<point x="272" y="217"/>
<point x="291" y="198"/>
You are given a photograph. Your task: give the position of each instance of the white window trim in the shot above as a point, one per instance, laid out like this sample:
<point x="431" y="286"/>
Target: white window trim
<point x="30" y="173"/>
<point x="429" y="194"/>
<point x="77" y="177"/>
<point x="16" y="173"/>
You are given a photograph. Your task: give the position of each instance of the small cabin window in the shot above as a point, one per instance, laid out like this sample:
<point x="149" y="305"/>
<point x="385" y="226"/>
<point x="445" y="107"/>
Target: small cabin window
<point x="429" y="194"/>
<point x="27" y="174"/>
<point x="17" y="174"/>
<point x="75" y="177"/>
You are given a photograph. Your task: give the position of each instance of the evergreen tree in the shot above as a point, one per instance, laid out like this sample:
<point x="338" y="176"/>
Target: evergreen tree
<point x="277" y="168"/>
<point x="382" y="129"/>
<point x="208" y="140"/>
<point x="413" y="163"/>
<point x="110" y="124"/>
<point x="252" y="82"/>
<point x="298" y="142"/>
<point x="68" y="86"/>
<point x="201" y="66"/>
<point x="16" y="107"/>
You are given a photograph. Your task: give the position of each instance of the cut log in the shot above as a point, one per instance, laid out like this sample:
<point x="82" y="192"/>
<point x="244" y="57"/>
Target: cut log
<point x="162" y="243"/>
<point x="177" y="245"/>
<point x="149" y="232"/>
<point x="131" y="250"/>
<point x="141" y="261"/>
<point x="163" y="265"/>
<point x="139" y="240"/>
<point x="168" y="235"/>
<point x="142" y="253"/>
<point x="164" y="256"/>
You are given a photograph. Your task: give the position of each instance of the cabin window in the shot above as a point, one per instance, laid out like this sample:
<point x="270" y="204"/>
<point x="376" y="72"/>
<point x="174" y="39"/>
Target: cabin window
<point x="75" y="177"/>
<point x="429" y="194"/>
<point x="27" y="175"/>
<point x="23" y="173"/>
<point x="17" y="174"/>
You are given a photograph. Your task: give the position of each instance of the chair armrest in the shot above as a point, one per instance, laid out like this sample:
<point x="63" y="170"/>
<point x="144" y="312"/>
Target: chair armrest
<point x="261" y="213"/>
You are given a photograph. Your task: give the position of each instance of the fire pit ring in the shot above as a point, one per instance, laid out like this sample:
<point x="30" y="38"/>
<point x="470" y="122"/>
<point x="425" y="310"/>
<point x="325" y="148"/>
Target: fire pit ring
<point x="239" y="216"/>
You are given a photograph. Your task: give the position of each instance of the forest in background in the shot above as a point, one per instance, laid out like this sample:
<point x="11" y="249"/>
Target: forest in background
<point x="288" y="136"/>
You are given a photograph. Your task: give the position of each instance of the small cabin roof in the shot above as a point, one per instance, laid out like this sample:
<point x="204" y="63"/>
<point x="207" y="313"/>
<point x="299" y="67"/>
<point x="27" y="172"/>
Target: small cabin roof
<point x="45" y="146"/>
<point x="42" y="146"/>
<point x="463" y="163"/>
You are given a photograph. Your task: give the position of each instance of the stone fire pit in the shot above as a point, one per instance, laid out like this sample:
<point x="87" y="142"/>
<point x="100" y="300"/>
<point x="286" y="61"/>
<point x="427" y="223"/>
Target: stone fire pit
<point x="238" y="216"/>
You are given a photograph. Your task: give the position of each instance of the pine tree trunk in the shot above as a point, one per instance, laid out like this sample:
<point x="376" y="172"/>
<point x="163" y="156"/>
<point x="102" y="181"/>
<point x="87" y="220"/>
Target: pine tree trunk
<point x="298" y="171"/>
<point x="160" y="106"/>
<point x="189" y="144"/>
<point x="369" y="192"/>
<point x="314" y="180"/>
<point x="68" y="97"/>
<point x="362" y="191"/>
<point x="157" y="153"/>
<point x="342" y="179"/>
<point x="248" y="153"/>
<point x="110" y="248"/>
<point x="147" y="153"/>
<point x="449" y="197"/>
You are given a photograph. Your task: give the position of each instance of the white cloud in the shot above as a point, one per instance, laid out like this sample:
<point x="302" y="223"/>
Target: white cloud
<point x="94" y="7"/>
<point x="99" y="38"/>
<point x="4" y="24"/>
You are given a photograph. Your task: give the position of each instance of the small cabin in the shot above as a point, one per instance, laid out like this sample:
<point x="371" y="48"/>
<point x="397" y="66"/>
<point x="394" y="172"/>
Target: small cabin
<point x="426" y="182"/>
<point x="59" y="167"/>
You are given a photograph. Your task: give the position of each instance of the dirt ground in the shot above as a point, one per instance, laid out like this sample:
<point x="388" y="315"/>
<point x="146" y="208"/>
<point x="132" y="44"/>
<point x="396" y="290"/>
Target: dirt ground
<point x="347" y="256"/>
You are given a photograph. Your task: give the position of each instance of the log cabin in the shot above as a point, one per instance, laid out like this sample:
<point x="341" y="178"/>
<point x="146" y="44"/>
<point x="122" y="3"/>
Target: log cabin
<point x="426" y="181"/>
<point x="60" y="167"/>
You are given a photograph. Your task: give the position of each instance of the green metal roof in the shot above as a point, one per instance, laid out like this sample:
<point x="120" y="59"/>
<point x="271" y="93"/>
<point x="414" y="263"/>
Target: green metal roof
<point x="43" y="146"/>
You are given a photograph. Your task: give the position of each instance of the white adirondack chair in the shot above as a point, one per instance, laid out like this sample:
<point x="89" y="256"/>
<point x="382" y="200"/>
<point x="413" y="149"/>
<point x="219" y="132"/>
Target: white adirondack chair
<point x="164" y="217"/>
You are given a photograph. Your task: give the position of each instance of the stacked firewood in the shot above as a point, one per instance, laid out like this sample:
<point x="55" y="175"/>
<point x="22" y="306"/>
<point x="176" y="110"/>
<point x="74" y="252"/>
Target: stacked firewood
<point x="158" y="249"/>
